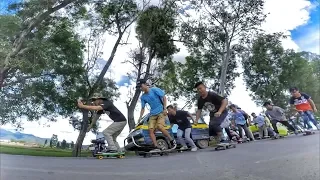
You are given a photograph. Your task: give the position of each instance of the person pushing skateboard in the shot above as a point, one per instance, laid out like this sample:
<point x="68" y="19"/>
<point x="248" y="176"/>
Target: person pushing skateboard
<point x="180" y="118"/>
<point x="157" y="101"/>
<point x="276" y="115"/>
<point x="262" y="123"/>
<point x="103" y="105"/>
<point x="216" y="104"/>
<point x="304" y="105"/>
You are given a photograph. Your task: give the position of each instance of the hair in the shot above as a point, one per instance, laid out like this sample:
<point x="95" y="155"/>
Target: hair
<point x="232" y="106"/>
<point x="170" y="106"/>
<point x="198" y="84"/>
<point x="253" y="114"/>
<point x="266" y="103"/>
<point x="293" y="89"/>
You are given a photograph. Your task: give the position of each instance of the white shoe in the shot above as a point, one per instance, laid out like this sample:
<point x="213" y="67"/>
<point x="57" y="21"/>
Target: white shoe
<point x="184" y="148"/>
<point x="194" y="149"/>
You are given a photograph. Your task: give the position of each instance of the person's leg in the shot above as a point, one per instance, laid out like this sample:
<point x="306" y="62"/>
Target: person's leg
<point x="228" y="133"/>
<point x="265" y="131"/>
<point x="288" y="125"/>
<point x="240" y="131"/>
<point x="274" y="125"/>
<point x="248" y="132"/>
<point x="108" y="134"/>
<point x="261" y="132"/>
<point x="187" y="136"/>
<point x="180" y="139"/>
<point x="306" y="120"/>
<point x="312" y="118"/>
<point x="160" y="124"/>
<point x="152" y="126"/>
<point x="121" y="126"/>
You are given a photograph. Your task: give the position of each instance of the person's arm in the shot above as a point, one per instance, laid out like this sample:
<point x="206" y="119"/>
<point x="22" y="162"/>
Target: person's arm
<point x="306" y="96"/>
<point x="164" y="104"/>
<point x="93" y="121"/>
<point x="199" y="110"/>
<point x="189" y="115"/>
<point x="223" y="106"/>
<point x="89" y="108"/>
<point x="143" y="105"/>
<point x="292" y="106"/>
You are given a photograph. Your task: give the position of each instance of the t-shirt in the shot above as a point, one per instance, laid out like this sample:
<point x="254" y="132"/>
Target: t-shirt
<point x="260" y="120"/>
<point x="154" y="99"/>
<point x="111" y="111"/>
<point x="212" y="102"/>
<point x="276" y="114"/>
<point x="238" y="117"/>
<point x="301" y="103"/>
<point x="181" y="119"/>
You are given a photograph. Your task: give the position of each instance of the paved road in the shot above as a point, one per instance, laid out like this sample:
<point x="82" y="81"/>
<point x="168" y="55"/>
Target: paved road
<point x="292" y="158"/>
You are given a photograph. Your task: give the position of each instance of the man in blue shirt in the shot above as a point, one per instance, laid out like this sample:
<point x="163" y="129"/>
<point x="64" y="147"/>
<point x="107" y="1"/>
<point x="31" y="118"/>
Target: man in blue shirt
<point x="260" y="121"/>
<point x="240" y="121"/>
<point x="157" y="101"/>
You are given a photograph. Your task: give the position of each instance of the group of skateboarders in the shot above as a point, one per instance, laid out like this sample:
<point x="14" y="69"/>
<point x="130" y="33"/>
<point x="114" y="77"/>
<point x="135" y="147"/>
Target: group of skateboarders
<point x="219" y="110"/>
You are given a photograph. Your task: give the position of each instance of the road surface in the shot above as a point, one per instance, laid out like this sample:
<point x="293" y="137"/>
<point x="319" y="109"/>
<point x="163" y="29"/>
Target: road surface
<point x="292" y="158"/>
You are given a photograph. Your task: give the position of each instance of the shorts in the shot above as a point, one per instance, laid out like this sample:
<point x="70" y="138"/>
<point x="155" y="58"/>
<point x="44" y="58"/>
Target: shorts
<point x="156" y="121"/>
<point x="215" y="122"/>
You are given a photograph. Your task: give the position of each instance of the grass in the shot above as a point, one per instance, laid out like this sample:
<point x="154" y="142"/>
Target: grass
<point x="38" y="151"/>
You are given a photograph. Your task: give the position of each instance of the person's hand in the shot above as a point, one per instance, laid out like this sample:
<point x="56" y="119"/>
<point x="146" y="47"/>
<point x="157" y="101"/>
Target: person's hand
<point x="315" y="110"/>
<point x="165" y="112"/>
<point x="80" y="103"/>
<point x="217" y="114"/>
<point x="300" y="111"/>
<point x="195" y="122"/>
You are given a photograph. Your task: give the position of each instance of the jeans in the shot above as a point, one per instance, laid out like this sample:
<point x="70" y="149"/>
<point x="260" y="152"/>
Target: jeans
<point x="246" y="130"/>
<point x="308" y="116"/>
<point x="187" y="133"/>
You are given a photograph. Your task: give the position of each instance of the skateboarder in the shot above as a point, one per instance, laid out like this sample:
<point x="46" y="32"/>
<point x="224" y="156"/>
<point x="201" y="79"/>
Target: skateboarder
<point x="103" y="105"/>
<point x="180" y="118"/>
<point x="157" y="101"/>
<point x="276" y="114"/>
<point x="304" y="105"/>
<point x="214" y="103"/>
<point x="240" y="121"/>
<point x="263" y="126"/>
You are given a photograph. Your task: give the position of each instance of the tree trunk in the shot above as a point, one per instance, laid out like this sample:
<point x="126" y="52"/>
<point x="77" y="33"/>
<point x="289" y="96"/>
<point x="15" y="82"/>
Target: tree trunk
<point x="3" y="74"/>
<point x="131" y="109"/>
<point x="224" y="68"/>
<point x="82" y="134"/>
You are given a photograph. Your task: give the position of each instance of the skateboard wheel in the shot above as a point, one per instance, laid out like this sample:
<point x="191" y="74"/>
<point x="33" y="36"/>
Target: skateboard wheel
<point x="121" y="157"/>
<point x="100" y="157"/>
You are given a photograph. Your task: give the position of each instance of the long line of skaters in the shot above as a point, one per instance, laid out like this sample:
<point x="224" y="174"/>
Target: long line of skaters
<point x="220" y="116"/>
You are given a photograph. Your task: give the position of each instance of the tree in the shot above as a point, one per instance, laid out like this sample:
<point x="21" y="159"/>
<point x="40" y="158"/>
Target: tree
<point x="155" y="30"/>
<point x="53" y="140"/>
<point x="220" y="27"/>
<point x="58" y="145"/>
<point x="270" y="70"/>
<point x="72" y="145"/>
<point x="45" y="142"/>
<point x="64" y="144"/>
<point x="51" y="143"/>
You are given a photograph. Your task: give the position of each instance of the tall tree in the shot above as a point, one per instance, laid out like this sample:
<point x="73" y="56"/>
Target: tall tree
<point x="64" y="144"/>
<point x="212" y="36"/>
<point x="269" y="70"/>
<point x="155" y="30"/>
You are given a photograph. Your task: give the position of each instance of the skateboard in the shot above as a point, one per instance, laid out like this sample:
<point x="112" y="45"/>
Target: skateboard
<point x="161" y="153"/>
<point x="224" y="146"/>
<point x="102" y="155"/>
<point x="279" y="137"/>
<point x="306" y="133"/>
<point x="180" y="150"/>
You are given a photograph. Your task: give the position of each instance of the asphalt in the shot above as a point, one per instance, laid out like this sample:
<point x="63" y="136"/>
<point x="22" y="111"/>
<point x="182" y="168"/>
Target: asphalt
<point x="291" y="158"/>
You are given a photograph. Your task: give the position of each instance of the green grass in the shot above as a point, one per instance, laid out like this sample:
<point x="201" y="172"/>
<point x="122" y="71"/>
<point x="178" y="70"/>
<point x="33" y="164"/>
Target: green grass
<point x="38" y="151"/>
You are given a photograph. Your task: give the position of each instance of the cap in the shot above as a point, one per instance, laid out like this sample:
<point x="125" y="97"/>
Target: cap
<point x="97" y="96"/>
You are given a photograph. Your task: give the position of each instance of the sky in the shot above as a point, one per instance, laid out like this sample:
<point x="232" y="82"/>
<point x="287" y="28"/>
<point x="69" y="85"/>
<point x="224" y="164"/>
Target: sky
<point x="297" y="18"/>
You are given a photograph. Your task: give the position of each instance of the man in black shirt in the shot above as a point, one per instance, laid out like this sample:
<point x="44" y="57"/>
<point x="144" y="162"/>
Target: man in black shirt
<point x="180" y="118"/>
<point x="103" y="105"/>
<point x="214" y="103"/>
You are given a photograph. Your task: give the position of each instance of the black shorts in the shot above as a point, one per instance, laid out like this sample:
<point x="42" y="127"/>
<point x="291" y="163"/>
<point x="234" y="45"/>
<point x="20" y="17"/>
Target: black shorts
<point x="215" y="122"/>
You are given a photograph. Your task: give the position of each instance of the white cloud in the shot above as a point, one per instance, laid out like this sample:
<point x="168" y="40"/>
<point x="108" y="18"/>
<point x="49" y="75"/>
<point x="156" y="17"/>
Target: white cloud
<point x="284" y="15"/>
<point x="310" y="41"/>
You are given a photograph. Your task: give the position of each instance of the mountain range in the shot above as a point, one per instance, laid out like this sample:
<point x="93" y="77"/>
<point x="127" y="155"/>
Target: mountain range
<point x="18" y="136"/>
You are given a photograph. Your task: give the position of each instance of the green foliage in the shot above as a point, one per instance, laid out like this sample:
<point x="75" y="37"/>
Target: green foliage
<point x="64" y="144"/>
<point x="270" y="70"/>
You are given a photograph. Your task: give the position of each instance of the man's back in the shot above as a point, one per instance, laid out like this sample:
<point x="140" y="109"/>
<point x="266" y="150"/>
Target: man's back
<point x="276" y="114"/>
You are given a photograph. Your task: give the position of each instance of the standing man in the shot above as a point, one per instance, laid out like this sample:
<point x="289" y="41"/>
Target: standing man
<point x="180" y="118"/>
<point x="304" y="105"/>
<point x="276" y="115"/>
<point x="103" y="105"/>
<point x="157" y="101"/>
<point x="216" y="104"/>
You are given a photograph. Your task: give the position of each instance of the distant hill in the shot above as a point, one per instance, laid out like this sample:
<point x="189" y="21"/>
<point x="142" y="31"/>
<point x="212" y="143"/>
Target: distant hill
<point x="8" y="135"/>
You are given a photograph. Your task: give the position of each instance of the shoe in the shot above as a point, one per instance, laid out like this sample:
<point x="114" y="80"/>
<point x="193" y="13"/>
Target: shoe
<point x="194" y="149"/>
<point x="155" y="150"/>
<point x="173" y="143"/>
<point x="184" y="148"/>
<point x="296" y="132"/>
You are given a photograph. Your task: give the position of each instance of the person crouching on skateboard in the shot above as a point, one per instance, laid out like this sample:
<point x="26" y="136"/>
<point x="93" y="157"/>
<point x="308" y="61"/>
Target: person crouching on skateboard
<point x="103" y="105"/>
<point x="180" y="118"/>
<point x="261" y="122"/>
<point x="157" y="101"/>
<point x="216" y="104"/>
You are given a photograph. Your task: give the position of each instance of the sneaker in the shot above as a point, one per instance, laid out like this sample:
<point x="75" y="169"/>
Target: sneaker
<point x="184" y="148"/>
<point x="173" y="143"/>
<point x="194" y="149"/>
<point x="296" y="132"/>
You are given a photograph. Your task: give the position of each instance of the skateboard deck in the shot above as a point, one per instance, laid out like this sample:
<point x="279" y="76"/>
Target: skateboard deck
<point x="161" y="153"/>
<point x="180" y="150"/>
<point x="119" y="155"/>
<point x="224" y="146"/>
<point x="306" y="133"/>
